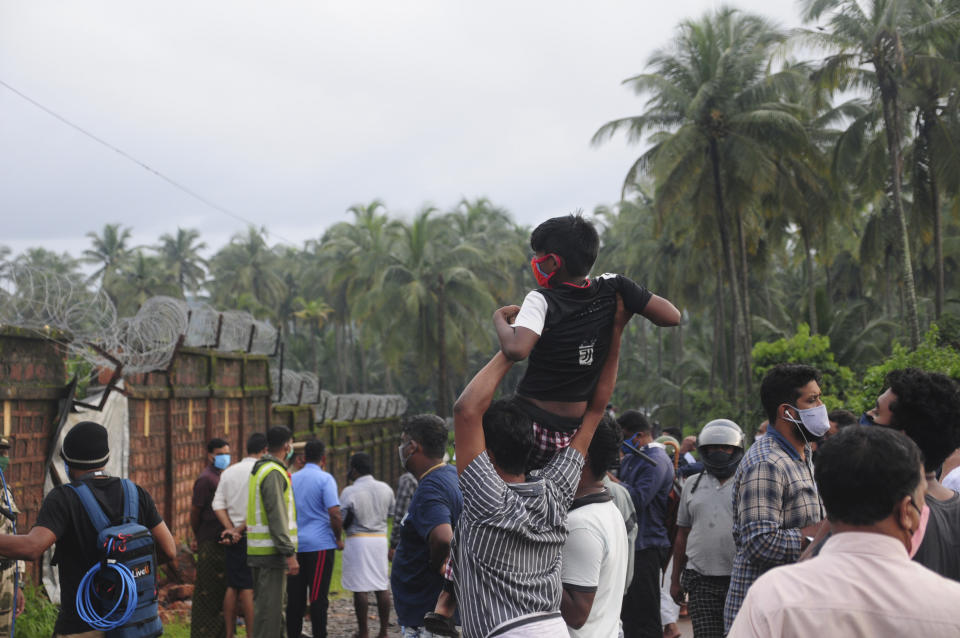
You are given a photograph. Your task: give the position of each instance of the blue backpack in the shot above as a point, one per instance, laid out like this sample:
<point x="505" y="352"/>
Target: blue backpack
<point x="119" y="594"/>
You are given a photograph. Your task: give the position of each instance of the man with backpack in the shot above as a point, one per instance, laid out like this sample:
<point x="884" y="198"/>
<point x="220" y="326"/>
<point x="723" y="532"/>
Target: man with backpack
<point x="65" y="519"/>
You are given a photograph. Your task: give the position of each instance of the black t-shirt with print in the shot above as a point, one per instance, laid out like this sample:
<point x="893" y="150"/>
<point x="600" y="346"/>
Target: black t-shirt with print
<point x="76" y="550"/>
<point x="566" y="362"/>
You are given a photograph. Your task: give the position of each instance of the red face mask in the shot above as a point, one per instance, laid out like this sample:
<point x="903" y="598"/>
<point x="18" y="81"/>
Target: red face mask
<point x="543" y="279"/>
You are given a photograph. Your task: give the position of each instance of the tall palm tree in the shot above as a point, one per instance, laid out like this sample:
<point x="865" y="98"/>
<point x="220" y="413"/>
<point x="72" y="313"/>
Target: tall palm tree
<point x="109" y="250"/>
<point x="935" y="151"/>
<point x="876" y="47"/>
<point x="247" y="265"/>
<point x="181" y="256"/>
<point x="140" y="277"/>
<point x="433" y="288"/>
<point x="716" y="124"/>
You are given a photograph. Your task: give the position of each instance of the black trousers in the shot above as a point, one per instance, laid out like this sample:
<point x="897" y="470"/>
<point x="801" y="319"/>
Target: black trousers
<point x="641" y="603"/>
<point x="316" y="568"/>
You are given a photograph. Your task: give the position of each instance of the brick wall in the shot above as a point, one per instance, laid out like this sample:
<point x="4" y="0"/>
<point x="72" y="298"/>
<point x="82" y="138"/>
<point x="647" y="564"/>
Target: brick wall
<point x="32" y="393"/>
<point x="172" y="415"/>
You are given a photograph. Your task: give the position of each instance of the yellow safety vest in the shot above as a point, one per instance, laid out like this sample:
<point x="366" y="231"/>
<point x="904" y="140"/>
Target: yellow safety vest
<point x="259" y="541"/>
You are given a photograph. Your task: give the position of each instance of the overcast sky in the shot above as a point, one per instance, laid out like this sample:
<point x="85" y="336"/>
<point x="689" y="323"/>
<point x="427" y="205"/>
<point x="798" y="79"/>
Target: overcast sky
<point x="289" y="112"/>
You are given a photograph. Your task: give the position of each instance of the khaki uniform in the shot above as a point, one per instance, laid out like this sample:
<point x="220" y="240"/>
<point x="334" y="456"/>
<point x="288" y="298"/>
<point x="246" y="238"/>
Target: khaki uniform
<point x="8" y="572"/>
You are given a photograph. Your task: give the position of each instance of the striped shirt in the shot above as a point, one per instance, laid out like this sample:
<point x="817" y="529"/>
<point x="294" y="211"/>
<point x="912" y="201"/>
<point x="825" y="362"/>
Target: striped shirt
<point x="773" y="497"/>
<point x="509" y="537"/>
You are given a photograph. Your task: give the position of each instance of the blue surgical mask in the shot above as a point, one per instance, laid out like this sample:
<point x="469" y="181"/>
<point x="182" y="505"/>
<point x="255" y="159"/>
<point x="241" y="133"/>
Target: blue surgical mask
<point x="866" y="419"/>
<point x="221" y="461"/>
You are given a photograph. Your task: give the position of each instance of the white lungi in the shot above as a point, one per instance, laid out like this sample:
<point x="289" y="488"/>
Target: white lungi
<point x="365" y="563"/>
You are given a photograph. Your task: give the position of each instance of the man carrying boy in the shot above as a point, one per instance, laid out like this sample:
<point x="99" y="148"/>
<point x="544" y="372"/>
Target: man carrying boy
<point x="564" y="327"/>
<point x="511" y="531"/>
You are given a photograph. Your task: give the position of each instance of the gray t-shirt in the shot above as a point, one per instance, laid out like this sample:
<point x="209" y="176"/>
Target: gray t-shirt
<point x="708" y="511"/>
<point x="621" y="498"/>
<point x="940" y="548"/>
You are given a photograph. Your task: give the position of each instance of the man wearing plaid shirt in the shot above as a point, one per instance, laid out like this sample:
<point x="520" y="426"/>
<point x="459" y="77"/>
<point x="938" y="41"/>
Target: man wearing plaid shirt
<point x="406" y="487"/>
<point x="776" y="507"/>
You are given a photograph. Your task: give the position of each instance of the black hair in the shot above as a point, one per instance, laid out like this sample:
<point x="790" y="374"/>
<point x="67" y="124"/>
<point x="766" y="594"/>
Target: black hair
<point x="257" y="443"/>
<point x="361" y="463"/>
<point x="429" y="431"/>
<point x="633" y="421"/>
<point x="573" y="238"/>
<point x="782" y="384"/>
<point x="927" y="409"/>
<point x="843" y="418"/>
<point x="277" y="437"/>
<point x="863" y="472"/>
<point x="604" y="448"/>
<point x="215" y="443"/>
<point x="675" y="432"/>
<point x="313" y="451"/>
<point x="509" y="435"/>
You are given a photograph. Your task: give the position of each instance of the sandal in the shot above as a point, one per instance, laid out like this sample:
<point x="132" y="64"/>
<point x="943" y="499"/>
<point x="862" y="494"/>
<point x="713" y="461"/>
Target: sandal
<point x="440" y="625"/>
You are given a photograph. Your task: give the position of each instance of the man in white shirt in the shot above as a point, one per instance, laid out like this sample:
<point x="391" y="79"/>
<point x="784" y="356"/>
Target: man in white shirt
<point x="230" y="507"/>
<point x="863" y="582"/>
<point x="596" y="552"/>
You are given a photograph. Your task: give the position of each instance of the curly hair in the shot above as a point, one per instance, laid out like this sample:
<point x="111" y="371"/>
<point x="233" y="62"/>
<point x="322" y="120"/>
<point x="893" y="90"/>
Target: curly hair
<point x="927" y="409"/>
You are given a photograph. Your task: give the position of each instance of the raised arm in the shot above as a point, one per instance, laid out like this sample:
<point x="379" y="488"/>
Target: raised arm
<point x="608" y="379"/>
<point x="661" y="312"/>
<point x="469" y="408"/>
<point x="516" y="342"/>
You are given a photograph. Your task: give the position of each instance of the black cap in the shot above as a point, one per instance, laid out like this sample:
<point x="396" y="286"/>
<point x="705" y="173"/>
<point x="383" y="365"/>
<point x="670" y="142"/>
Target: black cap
<point x="85" y="446"/>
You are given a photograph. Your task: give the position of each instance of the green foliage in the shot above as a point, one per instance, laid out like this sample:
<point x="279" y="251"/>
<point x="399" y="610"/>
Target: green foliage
<point x="39" y="614"/>
<point x="809" y="349"/>
<point x="930" y="356"/>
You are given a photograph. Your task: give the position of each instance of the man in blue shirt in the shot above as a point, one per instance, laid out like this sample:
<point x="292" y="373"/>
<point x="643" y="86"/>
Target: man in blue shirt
<point x="319" y="525"/>
<point x="648" y="478"/>
<point x="427" y="528"/>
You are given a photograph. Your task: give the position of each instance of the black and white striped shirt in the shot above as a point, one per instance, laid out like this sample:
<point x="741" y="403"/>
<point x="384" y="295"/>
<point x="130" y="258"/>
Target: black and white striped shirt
<point x="509" y="537"/>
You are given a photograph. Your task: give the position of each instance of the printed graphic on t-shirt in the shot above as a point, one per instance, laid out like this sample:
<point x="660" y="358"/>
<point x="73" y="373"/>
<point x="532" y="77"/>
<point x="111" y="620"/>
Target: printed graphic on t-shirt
<point x="586" y="353"/>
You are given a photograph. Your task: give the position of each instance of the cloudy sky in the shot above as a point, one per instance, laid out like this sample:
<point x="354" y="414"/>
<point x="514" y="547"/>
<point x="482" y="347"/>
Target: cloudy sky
<point x="286" y="113"/>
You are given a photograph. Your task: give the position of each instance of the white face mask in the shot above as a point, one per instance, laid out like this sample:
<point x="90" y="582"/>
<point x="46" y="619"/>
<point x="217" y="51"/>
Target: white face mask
<point x="403" y="457"/>
<point x="815" y="420"/>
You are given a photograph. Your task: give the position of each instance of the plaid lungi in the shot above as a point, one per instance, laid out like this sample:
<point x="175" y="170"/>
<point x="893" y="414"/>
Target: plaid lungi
<point x="206" y="616"/>
<point x="707" y="596"/>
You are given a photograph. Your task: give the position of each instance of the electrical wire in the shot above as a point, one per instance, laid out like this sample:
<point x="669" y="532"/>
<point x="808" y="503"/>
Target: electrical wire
<point x="128" y="591"/>
<point x="141" y="164"/>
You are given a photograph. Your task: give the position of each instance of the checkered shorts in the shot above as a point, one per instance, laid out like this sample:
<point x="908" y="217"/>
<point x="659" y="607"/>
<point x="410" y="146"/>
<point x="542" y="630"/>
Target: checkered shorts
<point x="546" y="443"/>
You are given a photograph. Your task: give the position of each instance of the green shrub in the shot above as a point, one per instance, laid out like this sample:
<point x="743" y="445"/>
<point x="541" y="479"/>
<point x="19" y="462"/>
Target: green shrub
<point x="813" y="350"/>
<point x="39" y="614"/>
<point x="933" y="355"/>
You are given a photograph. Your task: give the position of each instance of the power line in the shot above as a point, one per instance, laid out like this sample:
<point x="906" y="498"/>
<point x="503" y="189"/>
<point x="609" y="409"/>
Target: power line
<point x="143" y="165"/>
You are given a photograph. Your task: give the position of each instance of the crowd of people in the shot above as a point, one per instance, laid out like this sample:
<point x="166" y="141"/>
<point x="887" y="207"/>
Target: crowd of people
<point x="560" y="517"/>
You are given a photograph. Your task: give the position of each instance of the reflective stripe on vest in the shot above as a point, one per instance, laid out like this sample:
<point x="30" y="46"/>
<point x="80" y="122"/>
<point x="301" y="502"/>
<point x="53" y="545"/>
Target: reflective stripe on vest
<point x="259" y="541"/>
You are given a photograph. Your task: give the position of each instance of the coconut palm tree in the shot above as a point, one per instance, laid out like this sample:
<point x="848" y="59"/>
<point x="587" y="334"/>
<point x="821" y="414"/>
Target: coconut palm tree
<point x="109" y="250"/>
<point x="247" y="265"/>
<point x="435" y="296"/>
<point x="876" y="47"/>
<point x="181" y="256"/>
<point x="716" y="124"/>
